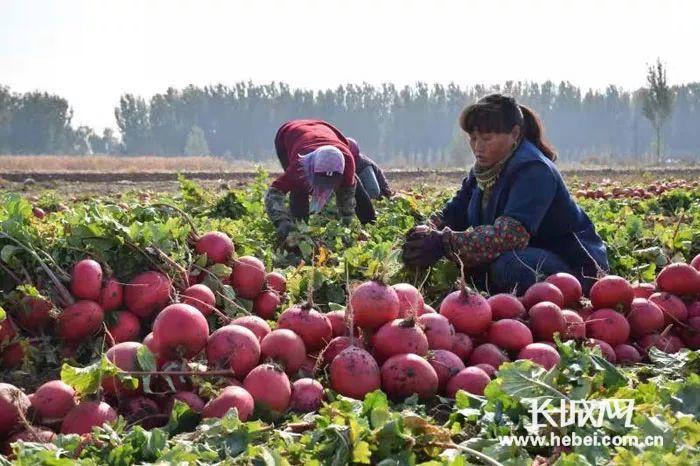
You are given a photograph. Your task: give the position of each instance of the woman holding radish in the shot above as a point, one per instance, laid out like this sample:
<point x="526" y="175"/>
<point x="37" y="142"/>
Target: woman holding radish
<point x="513" y="219"/>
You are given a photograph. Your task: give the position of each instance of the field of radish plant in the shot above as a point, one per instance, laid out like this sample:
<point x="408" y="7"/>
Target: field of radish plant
<point x="145" y="328"/>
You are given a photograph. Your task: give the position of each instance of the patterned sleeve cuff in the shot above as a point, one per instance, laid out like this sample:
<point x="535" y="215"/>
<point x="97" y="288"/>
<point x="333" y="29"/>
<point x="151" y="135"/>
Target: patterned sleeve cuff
<point x="483" y="244"/>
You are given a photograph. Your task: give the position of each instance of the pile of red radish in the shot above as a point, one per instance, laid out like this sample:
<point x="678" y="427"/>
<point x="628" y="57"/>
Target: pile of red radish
<point x="614" y="190"/>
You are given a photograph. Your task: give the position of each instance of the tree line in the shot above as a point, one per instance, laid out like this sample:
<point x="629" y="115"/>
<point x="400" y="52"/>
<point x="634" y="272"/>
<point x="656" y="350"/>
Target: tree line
<point x="415" y="125"/>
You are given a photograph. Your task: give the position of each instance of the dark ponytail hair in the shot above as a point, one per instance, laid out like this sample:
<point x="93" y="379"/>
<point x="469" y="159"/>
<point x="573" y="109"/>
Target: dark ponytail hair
<point x="497" y="113"/>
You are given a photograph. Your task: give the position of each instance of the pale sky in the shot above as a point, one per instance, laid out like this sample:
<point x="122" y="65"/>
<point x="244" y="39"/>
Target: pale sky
<point x="93" y="51"/>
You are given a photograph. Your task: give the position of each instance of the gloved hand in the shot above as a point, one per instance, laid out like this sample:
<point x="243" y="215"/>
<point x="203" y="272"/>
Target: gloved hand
<point x="423" y="247"/>
<point x="283" y="230"/>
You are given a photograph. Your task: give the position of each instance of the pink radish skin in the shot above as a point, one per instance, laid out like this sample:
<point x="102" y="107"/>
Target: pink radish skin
<point x="569" y="286"/>
<point x="217" y="246"/>
<point x="406" y="374"/>
<point x="673" y="307"/>
<point x="122" y="355"/>
<point x="141" y="410"/>
<point x="253" y="323"/>
<point x="337" y="320"/>
<point x="201" y="297"/>
<point x="468" y="312"/>
<point x="644" y="290"/>
<point x="644" y="317"/>
<point x="679" y="279"/>
<point x="307" y="396"/>
<point x="269" y="387"/>
<point x="575" y="326"/>
<point x="284" y="346"/>
<point x="85" y="416"/>
<point x="438" y="331"/>
<point x="510" y="334"/>
<point x="542" y="354"/>
<point x="542" y="292"/>
<point x="607" y="350"/>
<point x="312" y="326"/>
<point x="354" y="373"/>
<point x="462" y="346"/>
<point x="506" y="306"/>
<point x="446" y="365"/>
<point x="694" y="309"/>
<point x="189" y="398"/>
<point x="410" y="300"/>
<point x="427" y="309"/>
<point x="35" y="435"/>
<point x="275" y="281"/>
<point x="489" y="369"/>
<point x="609" y="326"/>
<point x="266" y="304"/>
<point x="146" y="293"/>
<point x="471" y="379"/>
<point x="627" y="354"/>
<point x="53" y="400"/>
<point x="234" y="347"/>
<point x="546" y="319"/>
<point x="180" y="329"/>
<point x="695" y="263"/>
<point x="398" y="337"/>
<point x="335" y="346"/>
<point x="80" y="320"/>
<point x="127" y="327"/>
<point x="668" y="344"/>
<point x="611" y="292"/>
<point x="230" y="397"/>
<point x="488" y="353"/>
<point x="13" y="402"/>
<point x="34" y="313"/>
<point x="374" y="304"/>
<point x="691" y="335"/>
<point x="248" y="277"/>
<point x="111" y="295"/>
<point x="86" y="280"/>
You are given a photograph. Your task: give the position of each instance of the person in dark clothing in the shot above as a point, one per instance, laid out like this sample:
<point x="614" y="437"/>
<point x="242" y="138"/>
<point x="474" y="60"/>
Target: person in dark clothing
<point x="513" y="217"/>
<point x="370" y="174"/>
<point x="317" y="161"/>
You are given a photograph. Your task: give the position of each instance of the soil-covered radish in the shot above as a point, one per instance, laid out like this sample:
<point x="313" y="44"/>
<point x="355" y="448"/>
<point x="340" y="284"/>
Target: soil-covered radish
<point x="446" y="365"/>
<point x="607" y="350"/>
<point x="312" y="326"/>
<point x="180" y="330"/>
<point x="374" y="304"/>
<point x="672" y="306"/>
<point x="462" y="345"/>
<point x="275" y="281"/>
<point x="540" y="353"/>
<point x="200" y="297"/>
<point x="546" y="319"/>
<point x="111" y="295"/>
<point x="253" y="323"/>
<point x="468" y="312"/>
<point x="146" y="293"/>
<point x="33" y="435"/>
<point x="307" y="395"/>
<point x="470" y="379"/>
<point x="644" y="317"/>
<point x="80" y="320"/>
<point x="608" y="325"/>
<point x="542" y="292"/>
<point x="125" y="327"/>
<point x="86" y="280"/>
<point x="611" y="292"/>
<point x="269" y="387"/>
<point x="216" y="245"/>
<point x="489" y="369"/>
<point x="666" y="343"/>
<point x="438" y="331"/>
<point x="85" y="416"/>
<point x="13" y="404"/>
<point x="406" y="374"/>
<point x="354" y="373"/>
<point x="248" y="277"/>
<point x="53" y="400"/>
<point x="488" y="353"/>
<point x="506" y="306"/>
<point x="569" y="286"/>
<point x="33" y="313"/>
<point x="229" y="398"/>
<point x="337" y="320"/>
<point x="510" y="334"/>
<point x="575" y="326"/>
<point x="143" y="411"/>
<point x="410" y="300"/>
<point x="285" y="347"/>
<point x="266" y="304"/>
<point x="627" y="354"/>
<point x="679" y="279"/>
<point x="398" y="337"/>
<point x="335" y="346"/>
<point x="122" y="355"/>
<point x="233" y="347"/>
<point x="644" y="290"/>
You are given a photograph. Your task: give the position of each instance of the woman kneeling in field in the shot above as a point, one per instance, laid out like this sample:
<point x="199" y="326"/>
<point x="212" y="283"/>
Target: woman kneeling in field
<point x="513" y="217"/>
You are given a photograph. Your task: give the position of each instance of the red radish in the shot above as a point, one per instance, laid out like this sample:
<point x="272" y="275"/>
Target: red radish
<point x="312" y="326"/>
<point x="695" y="263"/>
<point x="80" y="320"/>
<point x="286" y="347"/>
<point x="248" y="277"/>
<point x="694" y="309"/>
<point x="691" y="335"/>
<point x="146" y="293"/>
<point x="546" y="319"/>
<point x="33" y="435"/>
<point x="191" y="399"/>
<point x="126" y="327"/>
<point x="151" y="344"/>
<point x="200" y="297"/>
<point x="539" y="353"/>
<point x="34" y="313"/>
<point x="86" y="280"/>
<point x="216" y="245"/>
<point x="307" y="396"/>
<point x="143" y="411"/>
<point x="427" y="309"/>
<point x="462" y="345"/>
<point x="506" y="306"/>
<point x="8" y="330"/>
<point x="85" y="416"/>
<point x="13" y="403"/>
<point x="446" y="365"/>
<point x="489" y="369"/>
<point x="253" y="323"/>
<point x="410" y="300"/>
<point x="266" y="303"/>
<point x="269" y="387"/>
<point x="468" y="312"/>
<point x="575" y="326"/>
<point x="679" y="279"/>
<point x="510" y="334"/>
<point x="608" y="325"/>
<point x="627" y="354"/>
<point x="542" y="292"/>
<point x="569" y="286"/>
<point x="585" y="311"/>
<point x="335" y="346"/>
<point x="398" y="337"/>
<point x="488" y="353"/>
<point x="644" y="290"/>
<point x="234" y="347"/>
<point x="374" y="304"/>
<point x="471" y="379"/>
<point x="337" y="320"/>
<point x="230" y="397"/>
<point x="607" y="350"/>
<point x="122" y="355"/>
<point x="611" y="291"/>
<point x="438" y="331"/>
<point x="644" y="317"/>
<point x="180" y="329"/>
<point x="111" y="295"/>
<point x="667" y="344"/>
<point x="179" y="382"/>
<point x="53" y="400"/>
<point x="12" y="356"/>
<point x="354" y="373"/>
<point x="406" y="374"/>
<point x="38" y="212"/>
<point x="275" y="281"/>
<point x="309" y="366"/>
<point x="673" y="308"/>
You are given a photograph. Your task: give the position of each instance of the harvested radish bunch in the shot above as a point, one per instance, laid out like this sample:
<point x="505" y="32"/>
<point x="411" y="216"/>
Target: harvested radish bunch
<point x="644" y="317"/>
<point x="644" y="290"/>
<point x="13" y="404"/>
<point x="695" y="263"/>
<point x="122" y="355"/>
<point x="575" y="326"/>
<point x="216" y="245"/>
<point x="679" y="279"/>
<point x="312" y="326"/>
<point x="471" y="379"/>
<point x="231" y="397"/>
<point x="143" y="411"/>
<point x="608" y="325"/>
<point x="488" y="353"/>
<point x="354" y="373"/>
<point x="86" y="280"/>
<point x="337" y="320"/>
<point x="33" y="314"/>
<point x="611" y="292"/>
<point x="285" y="347"/>
<point x="80" y="320"/>
<point x="489" y="369"/>
<point x="438" y="331"/>
<point x="666" y="343"/>
<point x="462" y="346"/>
<point x="691" y="334"/>
<point x="446" y="365"/>
<point x="672" y="306"/>
<point x="627" y="354"/>
<point x="269" y="387"/>
<point x="53" y="400"/>
<point x="542" y="292"/>
<point x="253" y="323"/>
<point x="111" y="295"/>
<point x="85" y="416"/>
<point x="506" y="306"/>
<point x="248" y="277"/>
<point x="542" y="354"/>
<point x="335" y="346"/>
<point x="180" y="330"/>
<point x="33" y="435"/>
<point x="146" y="293"/>
<point x="233" y="347"/>
<point x="569" y="286"/>
<point x="510" y="334"/>
<point x="374" y="304"/>
<point x="307" y="396"/>
<point x="406" y="374"/>
<point x="266" y="304"/>
<point x="468" y="312"/>
<point x="191" y="399"/>
<point x="546" y="319"/>
<point x="410" y="300"/>
<point x="606" y="349"/>
<point x="125" y="327"/>
<point x="275" y="281"/>
<point x="200" y="297"/>
<point x="398" y="337"/>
